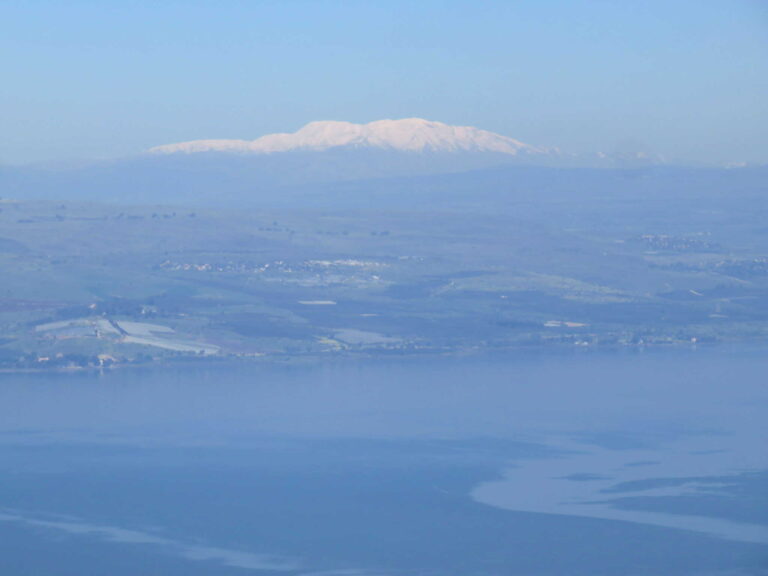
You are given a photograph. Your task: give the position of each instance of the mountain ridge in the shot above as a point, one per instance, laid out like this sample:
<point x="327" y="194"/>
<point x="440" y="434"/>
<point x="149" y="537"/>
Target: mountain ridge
<point x="404" y="135"/>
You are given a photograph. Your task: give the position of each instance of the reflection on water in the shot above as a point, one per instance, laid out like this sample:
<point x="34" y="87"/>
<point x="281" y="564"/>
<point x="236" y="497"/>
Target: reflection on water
<point x="625" y="464"/>
<point x="234" y="558"/>
<point x="600" y="483"/>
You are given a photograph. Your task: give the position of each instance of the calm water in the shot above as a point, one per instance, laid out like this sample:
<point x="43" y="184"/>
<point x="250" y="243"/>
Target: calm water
<point x="625" y="464"/>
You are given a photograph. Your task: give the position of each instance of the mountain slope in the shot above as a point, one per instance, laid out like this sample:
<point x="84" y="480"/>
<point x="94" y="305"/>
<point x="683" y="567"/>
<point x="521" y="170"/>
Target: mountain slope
<point x="407" y="135"/>
<point x="395" y="160"/>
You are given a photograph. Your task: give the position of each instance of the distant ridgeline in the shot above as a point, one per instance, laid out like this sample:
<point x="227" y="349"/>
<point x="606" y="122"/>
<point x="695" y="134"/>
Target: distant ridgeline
<point x="389" y="161"/>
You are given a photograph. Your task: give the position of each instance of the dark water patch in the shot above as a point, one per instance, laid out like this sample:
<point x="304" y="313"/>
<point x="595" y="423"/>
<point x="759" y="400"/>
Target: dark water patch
<point x="585" y="477"/>
<point x="393" y="506"/>
<point x="740" y="498"/>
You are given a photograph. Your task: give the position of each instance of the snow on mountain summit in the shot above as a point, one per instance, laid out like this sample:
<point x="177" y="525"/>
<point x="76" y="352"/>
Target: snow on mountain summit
<point x="407" y="135"/>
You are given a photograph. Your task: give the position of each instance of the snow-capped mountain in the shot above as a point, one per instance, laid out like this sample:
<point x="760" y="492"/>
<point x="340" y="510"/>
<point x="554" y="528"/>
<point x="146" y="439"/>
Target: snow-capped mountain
<point x="407" y="135"/>
<point x="342" y="158"/>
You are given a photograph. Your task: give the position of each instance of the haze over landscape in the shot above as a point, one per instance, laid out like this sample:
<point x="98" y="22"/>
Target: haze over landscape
<point x="384" y="288"/>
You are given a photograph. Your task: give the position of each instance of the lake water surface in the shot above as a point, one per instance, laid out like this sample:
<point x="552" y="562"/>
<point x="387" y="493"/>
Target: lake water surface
<point x="616" y="464"/>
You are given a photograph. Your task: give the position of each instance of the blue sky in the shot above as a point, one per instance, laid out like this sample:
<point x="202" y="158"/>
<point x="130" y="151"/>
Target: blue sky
<point x="685" y="79"/>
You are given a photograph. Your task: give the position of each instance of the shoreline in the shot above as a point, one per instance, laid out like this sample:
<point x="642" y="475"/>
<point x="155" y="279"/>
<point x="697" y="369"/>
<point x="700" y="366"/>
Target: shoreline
<point x="304" y="359"/>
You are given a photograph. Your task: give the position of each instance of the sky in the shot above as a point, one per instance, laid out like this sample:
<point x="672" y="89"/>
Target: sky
<point x="685" y="79"/>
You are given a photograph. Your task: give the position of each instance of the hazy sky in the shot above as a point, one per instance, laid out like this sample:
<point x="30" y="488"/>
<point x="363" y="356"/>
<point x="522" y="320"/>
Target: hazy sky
<point x="687" y="79"/>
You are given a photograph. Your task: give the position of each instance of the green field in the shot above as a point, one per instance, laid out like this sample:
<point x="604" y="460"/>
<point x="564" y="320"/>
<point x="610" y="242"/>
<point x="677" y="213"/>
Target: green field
<point x="289" y="283"/>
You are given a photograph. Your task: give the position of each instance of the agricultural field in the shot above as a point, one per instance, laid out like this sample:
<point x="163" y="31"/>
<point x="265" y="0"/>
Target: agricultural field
<point x="96" y="284"/>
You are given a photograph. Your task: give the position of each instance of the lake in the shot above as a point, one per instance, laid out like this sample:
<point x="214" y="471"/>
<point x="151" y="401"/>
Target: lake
<point x="624" y="463"/>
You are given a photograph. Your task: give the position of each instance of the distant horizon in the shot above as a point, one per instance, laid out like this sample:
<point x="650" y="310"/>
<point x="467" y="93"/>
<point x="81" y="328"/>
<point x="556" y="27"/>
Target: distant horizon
<point x="89" y="81"/>
<point x="628" y="149"/>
